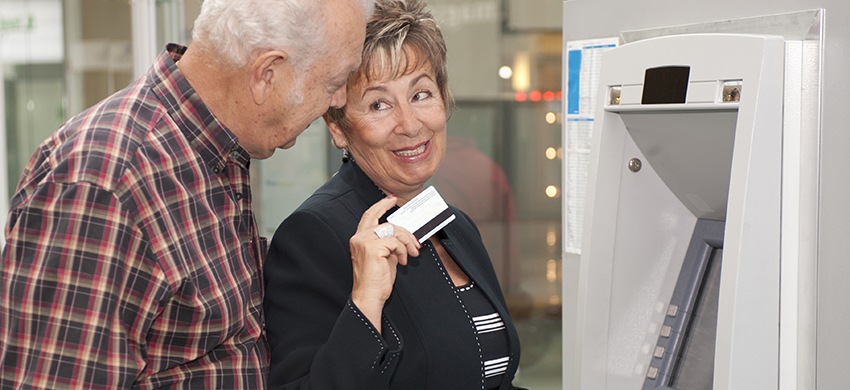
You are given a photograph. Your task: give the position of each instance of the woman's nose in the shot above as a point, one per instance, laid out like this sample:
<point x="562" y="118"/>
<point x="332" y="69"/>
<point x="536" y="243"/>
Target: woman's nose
<point x="409" y="123"/>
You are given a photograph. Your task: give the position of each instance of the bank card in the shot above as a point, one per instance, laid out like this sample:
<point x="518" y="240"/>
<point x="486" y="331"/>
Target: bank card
<point x="423" y="215"/>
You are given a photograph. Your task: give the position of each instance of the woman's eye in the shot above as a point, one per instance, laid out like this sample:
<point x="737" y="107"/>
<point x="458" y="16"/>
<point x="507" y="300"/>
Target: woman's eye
<point x="422" y="95"/>
<point x="378" y="106"/>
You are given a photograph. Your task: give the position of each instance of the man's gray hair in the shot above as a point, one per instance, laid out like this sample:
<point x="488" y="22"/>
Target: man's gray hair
<point x="236" y="29"/>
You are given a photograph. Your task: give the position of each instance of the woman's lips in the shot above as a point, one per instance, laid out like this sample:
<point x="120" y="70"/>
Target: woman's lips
<point x="412" y="152"/>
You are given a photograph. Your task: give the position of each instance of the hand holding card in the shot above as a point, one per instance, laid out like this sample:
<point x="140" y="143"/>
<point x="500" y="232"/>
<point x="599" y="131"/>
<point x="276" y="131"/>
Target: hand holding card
<point x="423" y="215"/>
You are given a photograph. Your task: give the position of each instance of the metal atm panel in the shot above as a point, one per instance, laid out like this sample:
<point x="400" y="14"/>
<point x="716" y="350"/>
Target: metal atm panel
<point x="689" y="136"/>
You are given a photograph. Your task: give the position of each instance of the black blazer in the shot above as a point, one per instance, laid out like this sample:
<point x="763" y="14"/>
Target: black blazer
<point x="320" y="340"/>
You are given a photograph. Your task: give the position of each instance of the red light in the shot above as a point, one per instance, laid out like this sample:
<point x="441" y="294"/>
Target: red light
<point x="559" y="95"/>
<point x="548" y="96"/>
<point x="535" y="96"/>
<point x="521" y="96"/>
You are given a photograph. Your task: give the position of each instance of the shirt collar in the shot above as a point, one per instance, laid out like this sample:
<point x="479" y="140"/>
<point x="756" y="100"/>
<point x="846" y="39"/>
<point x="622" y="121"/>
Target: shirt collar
<point x="209" y="137"/>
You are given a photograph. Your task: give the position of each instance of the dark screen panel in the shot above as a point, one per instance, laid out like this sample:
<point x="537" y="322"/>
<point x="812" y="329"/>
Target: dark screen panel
<point x="665" y="85"/>
<point x="695" y="368"/>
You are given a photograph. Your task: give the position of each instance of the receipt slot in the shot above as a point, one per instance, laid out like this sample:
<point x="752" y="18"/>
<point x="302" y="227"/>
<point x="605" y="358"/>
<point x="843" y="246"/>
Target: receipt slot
<point x="680" y="262"/>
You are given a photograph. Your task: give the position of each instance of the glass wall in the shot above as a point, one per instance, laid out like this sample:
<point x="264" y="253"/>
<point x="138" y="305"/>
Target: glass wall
<point x="502" y="165"/>
<point x="57" y="58"/>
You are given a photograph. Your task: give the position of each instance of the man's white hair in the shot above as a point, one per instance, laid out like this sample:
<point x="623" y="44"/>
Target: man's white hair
<point x="236" y="29"/>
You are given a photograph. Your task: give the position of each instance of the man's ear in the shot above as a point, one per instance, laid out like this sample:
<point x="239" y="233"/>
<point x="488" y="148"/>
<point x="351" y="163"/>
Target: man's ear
<point x="269" y="70"/>
<point x="336" y="133"/>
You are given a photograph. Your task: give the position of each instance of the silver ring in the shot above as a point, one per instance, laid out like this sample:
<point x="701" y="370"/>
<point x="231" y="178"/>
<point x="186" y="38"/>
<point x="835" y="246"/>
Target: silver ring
<point x="384" y="231"/>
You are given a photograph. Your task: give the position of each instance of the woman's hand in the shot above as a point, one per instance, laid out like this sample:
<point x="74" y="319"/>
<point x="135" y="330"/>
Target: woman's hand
<point x="374" y="260"/>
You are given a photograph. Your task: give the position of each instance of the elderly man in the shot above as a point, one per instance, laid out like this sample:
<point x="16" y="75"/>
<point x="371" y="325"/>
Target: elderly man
<point x="132" y="257"/>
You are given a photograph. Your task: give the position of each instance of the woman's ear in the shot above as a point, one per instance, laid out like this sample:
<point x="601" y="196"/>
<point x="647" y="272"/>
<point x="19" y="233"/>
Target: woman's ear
<point x="336" y="133"/>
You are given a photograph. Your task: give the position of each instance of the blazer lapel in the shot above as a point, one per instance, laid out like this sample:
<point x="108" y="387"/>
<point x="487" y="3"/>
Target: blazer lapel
<point x="365" y="189"/>
<point x="457" y="244"/>
<point x="465" y="257"/>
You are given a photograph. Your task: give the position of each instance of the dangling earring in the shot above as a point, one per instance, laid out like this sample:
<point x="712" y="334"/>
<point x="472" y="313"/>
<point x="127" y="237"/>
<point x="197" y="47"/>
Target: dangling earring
<point x="345" y="156"/>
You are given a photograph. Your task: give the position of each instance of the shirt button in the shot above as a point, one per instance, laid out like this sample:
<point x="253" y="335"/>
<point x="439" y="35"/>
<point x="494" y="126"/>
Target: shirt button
<point x="238" y="196"/>
<point x="234" y="155"/>
<point x="216" y="170"/>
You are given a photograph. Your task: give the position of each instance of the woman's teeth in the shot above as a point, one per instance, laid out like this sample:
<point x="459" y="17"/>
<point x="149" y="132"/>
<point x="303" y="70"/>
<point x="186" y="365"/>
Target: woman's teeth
<point x="412" y="152"/>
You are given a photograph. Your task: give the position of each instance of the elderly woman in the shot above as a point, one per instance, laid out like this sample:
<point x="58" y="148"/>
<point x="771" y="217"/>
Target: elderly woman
<point x="347" y="309"/>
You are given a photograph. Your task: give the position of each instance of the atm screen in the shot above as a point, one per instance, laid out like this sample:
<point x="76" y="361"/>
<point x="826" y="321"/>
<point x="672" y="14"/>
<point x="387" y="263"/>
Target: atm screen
<point x="695" y="368"/>
<point x="684" y="358"/>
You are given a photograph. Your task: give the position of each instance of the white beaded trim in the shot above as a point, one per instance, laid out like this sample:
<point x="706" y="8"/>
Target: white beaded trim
<point x="398" y="341"/>
<point x="467" y="287"/>
<point x="471" y="323"/>
<point x="372" y="329"/>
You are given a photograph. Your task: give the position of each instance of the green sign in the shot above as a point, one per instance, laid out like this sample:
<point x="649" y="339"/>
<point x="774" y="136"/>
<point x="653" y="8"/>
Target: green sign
<point x="17" y="23"/>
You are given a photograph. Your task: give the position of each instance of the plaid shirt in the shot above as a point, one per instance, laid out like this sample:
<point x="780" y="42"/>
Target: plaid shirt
<point x="132" y="257"/>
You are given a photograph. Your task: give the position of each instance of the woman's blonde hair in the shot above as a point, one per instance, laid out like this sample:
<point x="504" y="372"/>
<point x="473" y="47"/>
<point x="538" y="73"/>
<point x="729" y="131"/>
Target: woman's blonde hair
<point x="401" y="36"/>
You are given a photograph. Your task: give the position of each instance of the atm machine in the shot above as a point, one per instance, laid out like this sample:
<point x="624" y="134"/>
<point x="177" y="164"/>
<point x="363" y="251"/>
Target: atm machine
<point x="679" y="283"/>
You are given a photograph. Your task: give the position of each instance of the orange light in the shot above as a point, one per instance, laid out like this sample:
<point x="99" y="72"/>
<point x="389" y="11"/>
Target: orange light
<point x="548" y="96"/>
<point x="558" y="95"/>
<point x="551" y="270"/>
<point x="521" y="96"/>
<point x="535" y="96"/>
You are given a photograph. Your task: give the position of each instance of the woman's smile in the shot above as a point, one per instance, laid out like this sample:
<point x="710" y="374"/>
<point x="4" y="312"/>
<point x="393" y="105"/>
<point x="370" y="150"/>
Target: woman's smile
<point x="417" y="151"/>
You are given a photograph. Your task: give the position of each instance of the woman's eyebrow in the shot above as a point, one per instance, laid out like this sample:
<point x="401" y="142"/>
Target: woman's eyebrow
<point x="379" y="88"/>
<point x="420" y="77"/>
